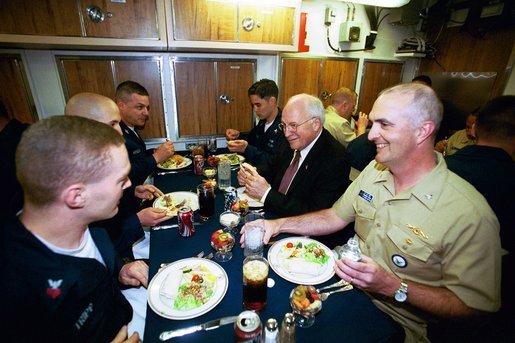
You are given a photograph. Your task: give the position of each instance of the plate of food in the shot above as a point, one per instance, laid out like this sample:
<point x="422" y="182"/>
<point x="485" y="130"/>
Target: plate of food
<point x="302" y="260"/>
<point x="175" y="162"/>
<point x="251" y="201"/>
<point x="171" y="202"/>
<point x="187" y="288"/>
<point x="234" y="159"/>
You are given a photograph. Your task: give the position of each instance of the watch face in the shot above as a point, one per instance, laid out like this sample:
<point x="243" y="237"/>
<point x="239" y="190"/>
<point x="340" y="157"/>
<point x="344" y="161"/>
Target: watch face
<point x="401" y="296"/>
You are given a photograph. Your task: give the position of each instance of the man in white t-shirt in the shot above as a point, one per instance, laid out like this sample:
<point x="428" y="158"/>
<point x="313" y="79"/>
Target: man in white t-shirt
<point x="61" y="279"/>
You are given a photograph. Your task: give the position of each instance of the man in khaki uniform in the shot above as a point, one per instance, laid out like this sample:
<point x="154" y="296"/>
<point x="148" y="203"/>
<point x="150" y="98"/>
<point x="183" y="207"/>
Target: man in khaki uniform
<point x="430" y="241"/>
<point x="338" y="117"/>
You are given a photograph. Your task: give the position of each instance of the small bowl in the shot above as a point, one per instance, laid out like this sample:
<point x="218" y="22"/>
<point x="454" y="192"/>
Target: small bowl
<point x="230" y="219"/>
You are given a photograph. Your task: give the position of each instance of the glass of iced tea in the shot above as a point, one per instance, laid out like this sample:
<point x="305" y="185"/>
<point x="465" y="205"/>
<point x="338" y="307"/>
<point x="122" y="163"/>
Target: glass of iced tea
<point x="206" y="201"/>
<point x="255" y="277"/>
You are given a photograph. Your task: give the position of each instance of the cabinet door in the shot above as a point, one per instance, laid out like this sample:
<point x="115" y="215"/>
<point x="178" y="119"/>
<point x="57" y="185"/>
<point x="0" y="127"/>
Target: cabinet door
<point x="270" y="24"/>
<point x="234" y="80"/>
<point x="334" y="75"/>
<point x="29" y="17"/>
<point x="128" y="19"/>
<point x="195" y="94"/>
<point x="204" y="20"/>
<point x="102" y="75"/>
<point x="376" y="77"/>
<point x="16" y="97"/>
<point x="146" y="72"/>
<point x="299" y="75"/>
<point x="93" y="76"/>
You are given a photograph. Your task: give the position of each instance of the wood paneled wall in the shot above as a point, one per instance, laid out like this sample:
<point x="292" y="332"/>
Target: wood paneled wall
<point x="459" y="51"/>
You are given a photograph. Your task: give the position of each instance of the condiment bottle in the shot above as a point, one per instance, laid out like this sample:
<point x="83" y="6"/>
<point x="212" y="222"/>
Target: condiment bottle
<point x="351" y="250"/>
<point x="287" y="334"/>
<point x="271" y="333"/>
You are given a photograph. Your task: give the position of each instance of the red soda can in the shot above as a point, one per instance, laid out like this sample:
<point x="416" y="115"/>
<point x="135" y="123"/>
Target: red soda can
<point x="185" y="221"/>
<point x="247" y="327"/>
<point x="198" y="164"/>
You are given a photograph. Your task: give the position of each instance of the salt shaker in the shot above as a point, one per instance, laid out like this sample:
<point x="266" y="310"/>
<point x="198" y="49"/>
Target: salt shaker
<point x="351" y="250"/>
<point x="271" y="334"/>
<point x="287" y="334"/>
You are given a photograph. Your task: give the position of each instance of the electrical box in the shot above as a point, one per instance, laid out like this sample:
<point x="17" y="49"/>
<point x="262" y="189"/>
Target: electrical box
<point x="330" y="15"/>
<point x="350" y="32"/>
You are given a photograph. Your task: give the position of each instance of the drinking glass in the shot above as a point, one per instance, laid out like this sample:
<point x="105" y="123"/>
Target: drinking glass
<point x="212" y="145"/>
<point x="224" y="175"/>
<point x="255" y="277"/>
<point x="254" y="233"/>
<point x="206" y="200"/>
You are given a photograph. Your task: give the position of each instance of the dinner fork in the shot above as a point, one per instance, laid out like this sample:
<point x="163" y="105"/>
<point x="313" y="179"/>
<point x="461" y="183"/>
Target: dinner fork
<point x="324" y="296"/>
<point x="209" y="256"/>
<point x="199" y="255"/>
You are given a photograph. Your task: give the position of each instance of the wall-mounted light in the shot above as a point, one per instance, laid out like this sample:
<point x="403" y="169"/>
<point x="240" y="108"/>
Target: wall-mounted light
<point x="380" y="3"/>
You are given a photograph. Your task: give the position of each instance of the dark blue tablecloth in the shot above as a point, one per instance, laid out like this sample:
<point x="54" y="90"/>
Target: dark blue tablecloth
<point x="348" y="316"/>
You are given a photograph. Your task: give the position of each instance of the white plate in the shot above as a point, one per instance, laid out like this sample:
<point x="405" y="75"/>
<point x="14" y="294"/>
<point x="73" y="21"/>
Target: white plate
<point x="241" y="158"/>
<point x="274" y="259"/>
<point x="190" y="197"/>
<point x="163" y="306"/>
<point x="244" y="196"/>
<point x="184" y="164"/>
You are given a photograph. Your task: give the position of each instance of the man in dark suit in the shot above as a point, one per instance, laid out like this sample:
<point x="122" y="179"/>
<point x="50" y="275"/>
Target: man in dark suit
<point x="322" y="167"/>
<point x="134" y="104"/>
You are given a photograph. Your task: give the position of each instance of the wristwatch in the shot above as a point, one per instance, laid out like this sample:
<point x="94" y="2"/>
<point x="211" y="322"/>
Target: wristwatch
<point x="402" y="293"/>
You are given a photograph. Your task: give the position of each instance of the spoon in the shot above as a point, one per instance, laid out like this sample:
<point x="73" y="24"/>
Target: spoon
<point x="324" y="296"/>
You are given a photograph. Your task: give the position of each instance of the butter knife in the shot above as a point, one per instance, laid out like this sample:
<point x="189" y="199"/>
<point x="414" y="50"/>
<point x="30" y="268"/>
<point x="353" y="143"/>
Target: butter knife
<point x="211" y="325"/>
<point x="173" y="226"/>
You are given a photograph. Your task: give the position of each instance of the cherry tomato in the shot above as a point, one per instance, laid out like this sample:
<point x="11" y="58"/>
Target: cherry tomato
<point x="195" y="278"/>
<point x="289" y="245"/>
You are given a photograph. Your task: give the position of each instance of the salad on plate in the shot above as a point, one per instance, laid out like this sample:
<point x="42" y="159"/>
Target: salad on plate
<point x="303" y="258"/>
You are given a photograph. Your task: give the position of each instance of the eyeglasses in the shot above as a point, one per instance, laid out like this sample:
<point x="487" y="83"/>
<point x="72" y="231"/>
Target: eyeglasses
<point x="293" y="126"/>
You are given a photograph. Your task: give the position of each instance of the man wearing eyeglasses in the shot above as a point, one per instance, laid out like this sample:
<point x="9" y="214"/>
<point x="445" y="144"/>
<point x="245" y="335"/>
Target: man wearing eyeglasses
<point x="309" y="173"/>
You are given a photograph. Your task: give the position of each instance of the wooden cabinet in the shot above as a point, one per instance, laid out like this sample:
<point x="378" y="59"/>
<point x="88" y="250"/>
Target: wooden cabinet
<point x="219" y="24"/>
<point x="128" y="25"/>
<point x="136" y="19"/>
<point x="205" y="20"/>
<point x="212" y="96"/>
<point x="30" y="17"/>
<point x="317" y="76"/>
<point x="102" y="74"/>
<point x="377" y="76"/>
<point x="15" y="94"/>
<point x="266" y="24"/>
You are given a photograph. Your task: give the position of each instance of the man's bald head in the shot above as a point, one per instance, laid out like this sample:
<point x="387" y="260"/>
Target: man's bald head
<point x="96" y="107"/>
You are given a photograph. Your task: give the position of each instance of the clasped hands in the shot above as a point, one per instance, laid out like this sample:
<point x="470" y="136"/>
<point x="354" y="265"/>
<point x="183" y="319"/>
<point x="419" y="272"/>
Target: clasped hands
<point x="255" y="185"/>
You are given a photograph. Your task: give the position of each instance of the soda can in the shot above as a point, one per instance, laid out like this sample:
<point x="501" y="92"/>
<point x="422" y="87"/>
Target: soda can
<point x="247" y="327"/>
<point x="230" y="197"/>
<point x="198" y="164"/>
<point x="185" y="221"/>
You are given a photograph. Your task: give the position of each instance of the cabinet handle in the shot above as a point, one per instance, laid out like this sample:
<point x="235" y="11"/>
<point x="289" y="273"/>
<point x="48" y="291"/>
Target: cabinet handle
<point x="325" y="95"/>
<point x="95" y="14"/>
<point x="247" y="23"/>
<point x="225" y="99"/>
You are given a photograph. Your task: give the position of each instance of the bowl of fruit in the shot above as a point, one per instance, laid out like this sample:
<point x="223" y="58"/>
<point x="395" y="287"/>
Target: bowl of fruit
<point x="305" y="302"/>
<point x="240" y="206"/>
<point x="222" y="242"/>
<point x="213" y="161"/>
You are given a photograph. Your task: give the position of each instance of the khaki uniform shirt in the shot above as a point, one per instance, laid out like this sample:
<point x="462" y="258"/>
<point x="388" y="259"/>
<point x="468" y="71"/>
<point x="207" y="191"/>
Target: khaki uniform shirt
<point x="457" y="141"/>
<point x="440" y="233"/>
<point x="339" y="127"/>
